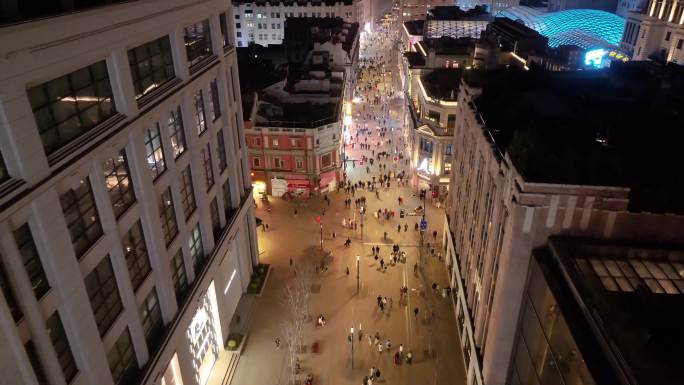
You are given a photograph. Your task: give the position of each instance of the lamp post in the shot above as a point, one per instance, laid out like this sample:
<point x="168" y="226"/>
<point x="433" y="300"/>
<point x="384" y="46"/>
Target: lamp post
<point x="351" y="340"/>
<point x="358" y="278"/>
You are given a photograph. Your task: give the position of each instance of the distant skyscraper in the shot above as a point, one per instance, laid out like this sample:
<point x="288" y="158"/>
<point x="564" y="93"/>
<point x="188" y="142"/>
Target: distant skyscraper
<point x="127" y="230"/>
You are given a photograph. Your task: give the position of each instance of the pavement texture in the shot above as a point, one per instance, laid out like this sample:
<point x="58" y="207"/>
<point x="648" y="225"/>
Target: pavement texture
<point x="431" y="336"/>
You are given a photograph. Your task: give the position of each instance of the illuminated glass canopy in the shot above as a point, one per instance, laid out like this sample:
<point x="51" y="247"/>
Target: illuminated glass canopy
<point x="586" y="28"/>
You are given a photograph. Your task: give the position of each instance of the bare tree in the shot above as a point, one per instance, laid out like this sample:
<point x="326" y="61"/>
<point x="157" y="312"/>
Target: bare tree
<point x="288" y="328"/>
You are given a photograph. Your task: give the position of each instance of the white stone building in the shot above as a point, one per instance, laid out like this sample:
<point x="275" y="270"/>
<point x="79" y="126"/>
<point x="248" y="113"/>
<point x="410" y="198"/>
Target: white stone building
<point x="127" y="235"/>
<point x="264" y="22"/>
<point x="656" y="33"/>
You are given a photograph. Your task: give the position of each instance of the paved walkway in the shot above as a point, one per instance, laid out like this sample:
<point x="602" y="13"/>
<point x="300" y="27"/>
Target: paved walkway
<point x="431" y="337"/>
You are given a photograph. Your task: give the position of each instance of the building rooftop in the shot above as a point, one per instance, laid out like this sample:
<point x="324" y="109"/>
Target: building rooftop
<point x="290" y="2"/>
<point x="442" y="83"/>
<point x="414" y="27"/>
<point x="624" y="304"/>
<point x="449" y="45"/>
<point x="415" y="59"/>
<point x="452" y="12"/>
<point x="615" y="127"/>
<point x="320" y="30"/>
<point x="297" y="114"/>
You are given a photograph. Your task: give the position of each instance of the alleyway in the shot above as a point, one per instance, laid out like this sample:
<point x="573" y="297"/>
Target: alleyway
<point x="431" y="336"/>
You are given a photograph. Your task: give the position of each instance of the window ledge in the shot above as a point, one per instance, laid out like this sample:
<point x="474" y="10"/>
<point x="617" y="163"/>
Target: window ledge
<point x="80" y="144"/>
<point x="158" y="92"/>
<point x="202" y="63"/>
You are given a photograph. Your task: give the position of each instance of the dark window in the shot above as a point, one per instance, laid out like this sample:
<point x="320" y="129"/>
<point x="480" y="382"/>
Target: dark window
<point x="679" y="43"/>
<point x="200" y="118"/>
<point x="168" y="216"/>
<point x="104" y="295"/>
<point x="451" y="121"/>
<point x="4" y="174"/>
<point x="187" y="193"/>
<point x="122" y="361"/>
<point x="196" y="249"/>
<point x="9" y="294"/>
<point x="154" y="151"/>
<point x="67" y="107"/>
<point x="118" y="182"/>
<point x="227" y="200"/>
<point x="221" y="150"/>
<point x="177" y="132"/>
<point x="208" y="169"/>
<point x="152" y="322"/>
<point x="61" y="344"/>
<point x="667" y="36"/>
<point x="224" y="29"/>
<point x="31" y="259"/>
<point x="215" y="219"/>
<point x="238" y="26"/>
<point x="151" y="65"/>
<point x="35" y="363"/>
<point x="81" y="216"/>
<point x="180" y="279"/>
<point x="197" y="42"/>
<point x="214" y="103"/>
<point x="136" y="255"/>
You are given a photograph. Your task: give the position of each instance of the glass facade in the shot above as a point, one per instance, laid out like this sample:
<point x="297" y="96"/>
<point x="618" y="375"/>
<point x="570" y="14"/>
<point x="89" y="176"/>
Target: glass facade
<point x="71" y="105"/>
<point x="545" y="351"/>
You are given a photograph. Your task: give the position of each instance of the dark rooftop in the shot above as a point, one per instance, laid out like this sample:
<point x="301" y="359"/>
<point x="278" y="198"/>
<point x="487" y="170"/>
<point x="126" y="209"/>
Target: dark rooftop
<point x="415" y="59"/>
<point x="446" y="45"/>
<point x="415" y="27"/>
<point x="442" y="83"/>
<point x="290" y="2"/>
<point x="320" y="30"/>
<point x="305" y="114"/>
<point x="621" y="126"/>
<point x="452" y="12"/>
<point x="630" y="329"/>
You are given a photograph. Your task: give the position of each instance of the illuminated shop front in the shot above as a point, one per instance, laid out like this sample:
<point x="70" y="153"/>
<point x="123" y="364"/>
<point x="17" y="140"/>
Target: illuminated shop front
<point x="204" y="334"/>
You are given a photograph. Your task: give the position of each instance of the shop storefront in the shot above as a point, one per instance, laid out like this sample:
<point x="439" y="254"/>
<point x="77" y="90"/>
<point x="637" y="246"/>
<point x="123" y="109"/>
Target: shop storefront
<point x="328" y="181"/>
<point x="204" y="336"/>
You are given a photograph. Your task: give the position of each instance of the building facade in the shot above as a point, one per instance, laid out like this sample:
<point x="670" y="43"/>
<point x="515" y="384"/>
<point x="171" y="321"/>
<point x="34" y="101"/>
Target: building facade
<point x="497" y="214"/>
<point x="264" y="22"/>
<point x="127" y="232"/>
<point x="656" y="33"/>
<point x="562" y="5"/>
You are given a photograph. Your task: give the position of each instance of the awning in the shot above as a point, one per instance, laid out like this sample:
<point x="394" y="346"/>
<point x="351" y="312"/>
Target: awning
<point x="326" y="178"/>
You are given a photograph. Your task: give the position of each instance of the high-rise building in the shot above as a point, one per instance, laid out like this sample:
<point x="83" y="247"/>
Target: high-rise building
<point x="656" y="33"/>
<point x="528" y="165"/>
<point x="264" y="22"/>
<point x="127" y="230"/>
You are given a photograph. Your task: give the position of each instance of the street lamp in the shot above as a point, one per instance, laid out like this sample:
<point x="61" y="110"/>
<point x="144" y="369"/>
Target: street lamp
<point x="357" y="273"/>
<point x="351" y="339"/>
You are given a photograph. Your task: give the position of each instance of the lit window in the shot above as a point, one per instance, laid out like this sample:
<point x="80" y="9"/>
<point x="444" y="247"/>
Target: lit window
<point x="197" y="42"/>
<point x="151" y="65"/>
<point x="176" y="132"/>
<point x="154" y="151"/>
<point x="71" y="105"/>
<point x="195" y="246"/>
<point x="200" y="118"/>
<point x="118" y="183"/>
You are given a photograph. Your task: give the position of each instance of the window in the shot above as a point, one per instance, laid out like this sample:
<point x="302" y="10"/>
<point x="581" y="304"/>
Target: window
<point x="168" y="216"/>
<point x="197" y="42"/>
<point x="206" y="164"/>
<point x="195" y="246"/>
<point x="215" y="219"/>
<point x="71" y="105"/>
<point x="221" y="150"/>
<point x="679" y="43"/>
<point x="151" y="318"/>
<point x="451" y="121"/>
<point x="238" y="26"/>
<point x="256" y="142"/>
<point x="122" y="361"/>
<point x="277" y="162"/>
<point x="9" y="295"/>
<point x="326" y="160"/>
<point x="295" y="142"/>
<point x="177" y="132"/>
<point x="224" y="29"/>
<point x="61" y="344"/>
<point x="136" y="255"/>
<point x="447" y="168"/>
<point x="31" y="260"/>
<point x="4" y="174"/>
<point x="187" y="193"/>
<point x="151" y="65"/>
<point x="448" y="149"/>
<point x="118" y="182"/>
<point x="180" y="280"/>
<point x="154" y="151"/>
<point x="80" y="213"/>
<point x="214" y="105"/>
<point x="227" y="200"/>
<point x="256" y="162"/>
<point x="200" y="118"/>
<point x="274" y="142"/>
<point x="35" y="363"/>
<point x="104" y="295"/>
<point x="300" y="163"/>
<point x="667" y="36"/>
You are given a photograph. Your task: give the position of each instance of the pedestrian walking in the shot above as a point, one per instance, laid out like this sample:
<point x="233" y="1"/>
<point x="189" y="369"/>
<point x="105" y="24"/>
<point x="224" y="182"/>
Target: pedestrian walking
<point x="370" y="340"/>
<point x="277" y="343"/>
<point x="347" y="270"/>
<point x="415" y="312"/>
<point x="401" y="348"/>
<point x="380" y="348"/>
<point x="388" y="344"/>
<point x="295" y="212"/>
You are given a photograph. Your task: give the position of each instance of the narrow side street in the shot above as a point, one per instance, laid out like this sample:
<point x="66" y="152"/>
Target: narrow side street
<point x="430" y="335"/>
